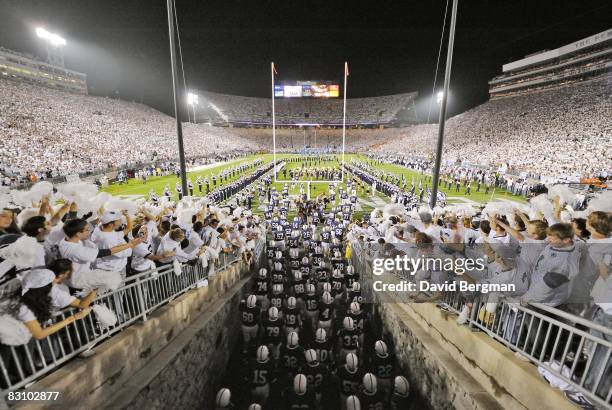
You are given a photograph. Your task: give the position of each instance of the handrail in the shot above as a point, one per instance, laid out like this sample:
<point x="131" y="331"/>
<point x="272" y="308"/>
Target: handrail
<point x="139" y="296"/>
<point x="540" y="333"/>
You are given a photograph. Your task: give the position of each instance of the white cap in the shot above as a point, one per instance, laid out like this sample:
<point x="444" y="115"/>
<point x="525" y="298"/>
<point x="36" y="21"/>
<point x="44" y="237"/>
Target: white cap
<point x="109" y="216"/>
<point x="37" y="278"/>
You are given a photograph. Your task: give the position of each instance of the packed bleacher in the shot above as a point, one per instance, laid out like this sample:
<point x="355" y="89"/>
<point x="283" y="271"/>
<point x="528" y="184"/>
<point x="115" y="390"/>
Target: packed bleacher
<point x="559" y="134"/>
<point x="48" y="133"/>
<point x="74" y="244"/>
<point x="359" y="111"/>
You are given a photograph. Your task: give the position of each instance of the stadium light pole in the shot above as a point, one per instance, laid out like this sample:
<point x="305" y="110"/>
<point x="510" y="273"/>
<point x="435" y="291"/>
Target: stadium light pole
<point x="346" y="74"/>
<point x="54" y="45"/>
<point x="193" y="100"/>
<point x="442" y="120"/>
<point x="175" y="85"/>
<point x="272" y="71"/>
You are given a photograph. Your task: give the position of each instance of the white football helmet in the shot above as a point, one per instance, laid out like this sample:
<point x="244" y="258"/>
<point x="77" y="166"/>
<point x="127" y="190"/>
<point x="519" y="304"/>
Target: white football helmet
<point x="299" y="384"/>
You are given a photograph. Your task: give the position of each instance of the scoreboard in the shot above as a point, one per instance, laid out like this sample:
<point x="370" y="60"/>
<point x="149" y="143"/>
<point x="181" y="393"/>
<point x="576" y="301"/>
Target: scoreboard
<point x="301" y="89"/>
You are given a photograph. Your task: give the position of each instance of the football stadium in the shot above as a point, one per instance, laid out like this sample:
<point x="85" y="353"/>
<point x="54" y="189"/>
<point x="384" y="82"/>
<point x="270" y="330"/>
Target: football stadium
<point x="231" y="206"/>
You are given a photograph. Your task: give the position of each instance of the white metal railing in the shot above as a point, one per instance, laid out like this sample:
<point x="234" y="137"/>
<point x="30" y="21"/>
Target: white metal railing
<point x="139" y="296"/>
<point x="570" y="347"/>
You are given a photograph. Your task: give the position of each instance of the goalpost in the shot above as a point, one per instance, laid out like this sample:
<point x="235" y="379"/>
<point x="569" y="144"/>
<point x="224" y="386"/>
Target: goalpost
<point x="308" y="182"/>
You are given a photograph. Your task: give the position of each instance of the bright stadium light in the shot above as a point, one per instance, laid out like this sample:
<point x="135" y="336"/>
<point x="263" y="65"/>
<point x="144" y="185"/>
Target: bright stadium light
<point x="439" y="97"/>
<point x="193" y="100"/>
<point x="52" y="38"/>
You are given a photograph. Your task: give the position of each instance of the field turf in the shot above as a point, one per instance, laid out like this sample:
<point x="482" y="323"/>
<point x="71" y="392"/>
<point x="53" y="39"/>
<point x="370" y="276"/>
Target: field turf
<point x="137" y="187"/>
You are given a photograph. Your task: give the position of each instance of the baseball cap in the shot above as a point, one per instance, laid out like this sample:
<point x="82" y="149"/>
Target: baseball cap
<point x="110" y="216"/>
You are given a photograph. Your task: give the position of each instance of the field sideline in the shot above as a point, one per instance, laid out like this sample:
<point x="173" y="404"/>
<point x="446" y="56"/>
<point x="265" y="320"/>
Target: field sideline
<point x="137" y="187"/>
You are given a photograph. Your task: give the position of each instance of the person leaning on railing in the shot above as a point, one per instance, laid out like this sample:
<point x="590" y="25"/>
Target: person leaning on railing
<point x="599" y="224"/>
<point x="40" y="295"/>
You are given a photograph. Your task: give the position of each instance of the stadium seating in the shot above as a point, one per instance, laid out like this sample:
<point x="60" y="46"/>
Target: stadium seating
<point x="562" y="133"/>
<point x="372" y="110"/>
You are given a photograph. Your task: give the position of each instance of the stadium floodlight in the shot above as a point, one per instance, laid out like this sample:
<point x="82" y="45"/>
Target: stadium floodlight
<point x="193" y="100"/>
<point x="52" y="38"/>
<point x="439" y="97"/>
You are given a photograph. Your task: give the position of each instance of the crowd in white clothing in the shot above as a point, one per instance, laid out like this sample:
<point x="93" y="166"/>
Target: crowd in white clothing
<point x="563" y="133"/>
<point x="370" y="110"/>
<point x="47" y="133"/>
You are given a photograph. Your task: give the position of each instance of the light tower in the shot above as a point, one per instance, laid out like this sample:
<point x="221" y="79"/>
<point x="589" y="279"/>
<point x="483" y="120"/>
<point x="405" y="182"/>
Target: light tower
<point x="193" y="100"/>
<point x="54" y="44"/>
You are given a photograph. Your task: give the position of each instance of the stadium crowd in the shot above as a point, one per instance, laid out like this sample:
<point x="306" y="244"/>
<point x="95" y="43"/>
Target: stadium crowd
<point x="323" y="111"/>
<point x="562" y="134"/>
<point x="48" y="133"/>
<point x="309" y="336"/>
<point x="550" y="254"/>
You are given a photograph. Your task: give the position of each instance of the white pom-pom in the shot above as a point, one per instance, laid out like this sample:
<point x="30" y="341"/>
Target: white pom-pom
<point x="22" y="253"/>
<point x="563" y="192"/>
<point x="13" y="332"/>
<point x="100" y="280"/>
<point x="25" y="215"/>
<point x="185" y="216"/>
<point x="78" y="190"/>
<point x="393" y="209"/>
<point x="39" y="190"/>
<point x="602" y="202"/>
<point x="542" y="204"/>
<point x="176" y="266"/>
<point x="117" y="204"/>
<point x="106" y="317"/>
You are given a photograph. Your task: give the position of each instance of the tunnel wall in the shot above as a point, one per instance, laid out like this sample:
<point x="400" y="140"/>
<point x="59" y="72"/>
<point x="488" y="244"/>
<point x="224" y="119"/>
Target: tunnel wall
<point x="454" y="367"/>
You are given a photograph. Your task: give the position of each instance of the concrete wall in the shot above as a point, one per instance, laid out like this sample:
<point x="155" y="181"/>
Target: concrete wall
<point x="172" y="360"/>
<point x="454" y="367"/>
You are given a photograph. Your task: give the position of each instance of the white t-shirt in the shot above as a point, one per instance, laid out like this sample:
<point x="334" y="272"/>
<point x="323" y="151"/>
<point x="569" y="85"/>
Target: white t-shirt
<point x="24" y="314"/>
<point x="61" y="297"/>
<point x="168" y="245"/>
<point x="81" y="254"/>
<point x="600" y="251"/>
<point x="108" y="240"/>
<point x="140" y="263"/>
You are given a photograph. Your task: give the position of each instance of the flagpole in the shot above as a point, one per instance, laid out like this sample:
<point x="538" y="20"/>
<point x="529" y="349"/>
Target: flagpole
<point x="273" y="122"/>
<point x="175" y="91"/>
<point x="442" y="120"/>
<point x="344" y="117"/>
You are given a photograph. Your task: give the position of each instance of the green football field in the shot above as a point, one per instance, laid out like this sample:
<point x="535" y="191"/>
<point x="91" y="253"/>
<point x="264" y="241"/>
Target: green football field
<point x="367" y="200"/>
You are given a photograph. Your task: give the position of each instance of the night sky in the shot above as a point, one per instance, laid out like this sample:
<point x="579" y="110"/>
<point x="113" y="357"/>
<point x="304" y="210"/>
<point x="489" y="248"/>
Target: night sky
<point x="391" y="46"/>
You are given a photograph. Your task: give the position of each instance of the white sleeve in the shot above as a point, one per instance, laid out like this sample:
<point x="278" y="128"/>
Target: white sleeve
<point x="60" y="298"/>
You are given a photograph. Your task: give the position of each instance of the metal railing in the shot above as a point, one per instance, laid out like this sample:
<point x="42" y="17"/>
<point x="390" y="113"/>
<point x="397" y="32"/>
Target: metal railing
<point x="571" y="348"/>
<point x="139" y="296"/>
